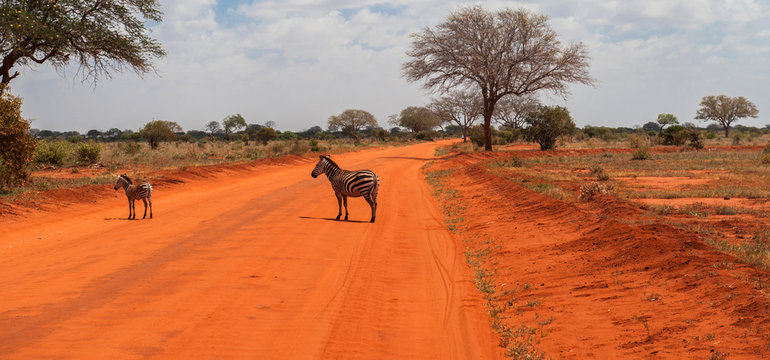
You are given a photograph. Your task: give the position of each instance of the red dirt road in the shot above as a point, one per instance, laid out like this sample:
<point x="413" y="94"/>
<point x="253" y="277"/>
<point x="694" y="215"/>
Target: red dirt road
<point x="244" y="263"/>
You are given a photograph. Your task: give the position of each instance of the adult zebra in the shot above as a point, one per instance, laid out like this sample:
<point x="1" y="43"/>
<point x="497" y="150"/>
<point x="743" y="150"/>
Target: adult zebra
<point x="349" y="183"/>
<point x="142" y="191"/>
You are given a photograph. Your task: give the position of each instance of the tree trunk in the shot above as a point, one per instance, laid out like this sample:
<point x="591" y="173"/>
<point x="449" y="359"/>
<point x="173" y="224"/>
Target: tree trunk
<point x="727" y="131"/>
<point x="489" y="109"/>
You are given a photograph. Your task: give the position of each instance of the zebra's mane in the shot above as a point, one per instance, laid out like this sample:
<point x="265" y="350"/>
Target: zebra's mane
<point x="127" y="178"/>
<point x="331" y="162"/>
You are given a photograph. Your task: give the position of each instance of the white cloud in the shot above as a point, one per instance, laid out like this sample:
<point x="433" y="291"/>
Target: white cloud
<point x="296" y="62"/>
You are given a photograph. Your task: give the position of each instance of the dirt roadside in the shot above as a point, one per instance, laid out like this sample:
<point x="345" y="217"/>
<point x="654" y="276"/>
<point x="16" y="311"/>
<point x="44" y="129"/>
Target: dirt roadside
<point x="597" y="279"/>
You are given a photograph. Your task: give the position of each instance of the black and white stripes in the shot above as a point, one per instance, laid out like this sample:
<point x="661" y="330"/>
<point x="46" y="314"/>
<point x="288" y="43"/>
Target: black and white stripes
<point x="142" y="192"/>
<point x="349" y="184"/>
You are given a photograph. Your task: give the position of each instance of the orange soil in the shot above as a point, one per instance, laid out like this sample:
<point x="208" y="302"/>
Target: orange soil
<point x="242" y="262"/>
<point x="615" y="281"/>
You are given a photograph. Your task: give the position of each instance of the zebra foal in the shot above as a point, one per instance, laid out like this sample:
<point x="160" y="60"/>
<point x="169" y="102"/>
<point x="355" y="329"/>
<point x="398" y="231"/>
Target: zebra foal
<point x="349" y="184"/>
<point x="142" y="192"/>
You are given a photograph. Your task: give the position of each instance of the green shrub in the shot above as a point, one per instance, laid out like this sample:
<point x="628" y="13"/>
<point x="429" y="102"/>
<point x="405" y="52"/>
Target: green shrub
<point x="426" y="135"/>
<point x="642" y="153"/>
<point x="51" y="152"/>
<point x="476" y="134"/>
<point x="695" y="141"/>
<point x="738" y="138"/>
<point x="17" y="146"/>
<point x="299" y="147"/>
<point x="89" y="152"/>
<point x="675" y="135"/>
<point x="314" y="145"/>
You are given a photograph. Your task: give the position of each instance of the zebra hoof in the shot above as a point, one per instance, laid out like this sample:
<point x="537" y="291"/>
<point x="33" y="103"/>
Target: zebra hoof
<point x="338" y="217"/>
<point x="372" y="220"/>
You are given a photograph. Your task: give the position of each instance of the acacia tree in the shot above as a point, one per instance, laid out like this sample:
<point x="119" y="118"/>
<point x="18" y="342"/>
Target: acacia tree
<point x="512" y="111"/>
<point x="416" y="118"/>
<point x="233" y="123"/>
<point x="667" y="119"/>
<point x="159" y="130"/>
<point x="101" y="36"/>
<point x="508" y="52"/>
<point x="460" y="107"/>
<point x="213" y="127"/>
<point x="725" y="110"/>
<point x="352" y="121"/>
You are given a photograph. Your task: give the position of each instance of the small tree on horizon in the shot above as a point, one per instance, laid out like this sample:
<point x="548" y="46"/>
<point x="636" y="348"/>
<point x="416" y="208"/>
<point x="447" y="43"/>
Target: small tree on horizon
<point x="159" y="130"/>
<point x="666" y="120"/>
<point x="265" y="134"/>
<point x="725" y="110"/>
<point x="213" y="127"/>
<point x="233" y="123"/>
<point x="416" y="119"/>
<point x="459" y="107"/>
<point x="352" y="121"/>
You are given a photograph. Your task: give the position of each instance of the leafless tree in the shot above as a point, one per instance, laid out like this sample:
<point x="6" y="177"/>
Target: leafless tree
<point x="512" y="111"/>
<point x="508" y="52"/>
<point x="724" y="110"/>
<point x="461" y="107"/>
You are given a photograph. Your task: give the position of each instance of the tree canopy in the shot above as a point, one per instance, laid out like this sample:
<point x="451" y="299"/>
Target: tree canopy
<point x="352" y="121"/>
<point x="725" y="110"/>
<point x="416" y="118"/>
<point x="233" y="123"/>
<point x="101" y="36"/>
<point x="502" y="53"/>
<point x="667" y="119"/>
<point x="159" y="130"/>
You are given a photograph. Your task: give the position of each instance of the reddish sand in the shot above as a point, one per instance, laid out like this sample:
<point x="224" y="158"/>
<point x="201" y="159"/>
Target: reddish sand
<point x="243" y="262"/>
<point x="604" y="278"/>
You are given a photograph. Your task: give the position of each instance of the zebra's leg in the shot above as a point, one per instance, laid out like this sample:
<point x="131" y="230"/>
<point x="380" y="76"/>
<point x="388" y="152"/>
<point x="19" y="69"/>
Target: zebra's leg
<point x="130" y="209"/>
<point x="339" y="205"/>
<point x="144" y="200"/>
<point x="373" y="205"/>
<point x="149" y="199"/>
<point x="345" y="201"/>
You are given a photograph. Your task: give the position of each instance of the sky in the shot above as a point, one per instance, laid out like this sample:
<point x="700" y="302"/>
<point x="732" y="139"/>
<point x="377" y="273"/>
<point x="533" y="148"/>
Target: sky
<point x="297" y="62"/>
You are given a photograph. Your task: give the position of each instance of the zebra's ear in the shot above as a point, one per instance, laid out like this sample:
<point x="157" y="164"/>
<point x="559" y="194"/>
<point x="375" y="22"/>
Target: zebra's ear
<point x="321" y="156"/>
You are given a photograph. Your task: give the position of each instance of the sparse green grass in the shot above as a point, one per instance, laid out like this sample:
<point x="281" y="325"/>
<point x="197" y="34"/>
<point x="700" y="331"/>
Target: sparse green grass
<point x="755" y="251"/>
<point x="519" y="343"/>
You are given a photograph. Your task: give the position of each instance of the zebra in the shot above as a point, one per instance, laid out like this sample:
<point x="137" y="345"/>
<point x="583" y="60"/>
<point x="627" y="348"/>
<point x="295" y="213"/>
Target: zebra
<point x="142" y="191"/>
<point x="349" y="183"/>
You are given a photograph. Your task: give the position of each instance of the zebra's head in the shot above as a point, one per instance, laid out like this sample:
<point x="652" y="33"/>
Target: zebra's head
<point x="320" y="168"/>
<point x="123" y="180"/>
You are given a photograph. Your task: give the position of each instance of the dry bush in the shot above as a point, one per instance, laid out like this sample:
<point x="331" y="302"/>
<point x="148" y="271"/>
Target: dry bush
<point x="587" y="191"/>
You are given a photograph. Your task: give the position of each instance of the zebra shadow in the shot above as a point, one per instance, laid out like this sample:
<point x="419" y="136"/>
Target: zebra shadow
<point x="333" y="219"/>
<point x="127" y="219"/>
